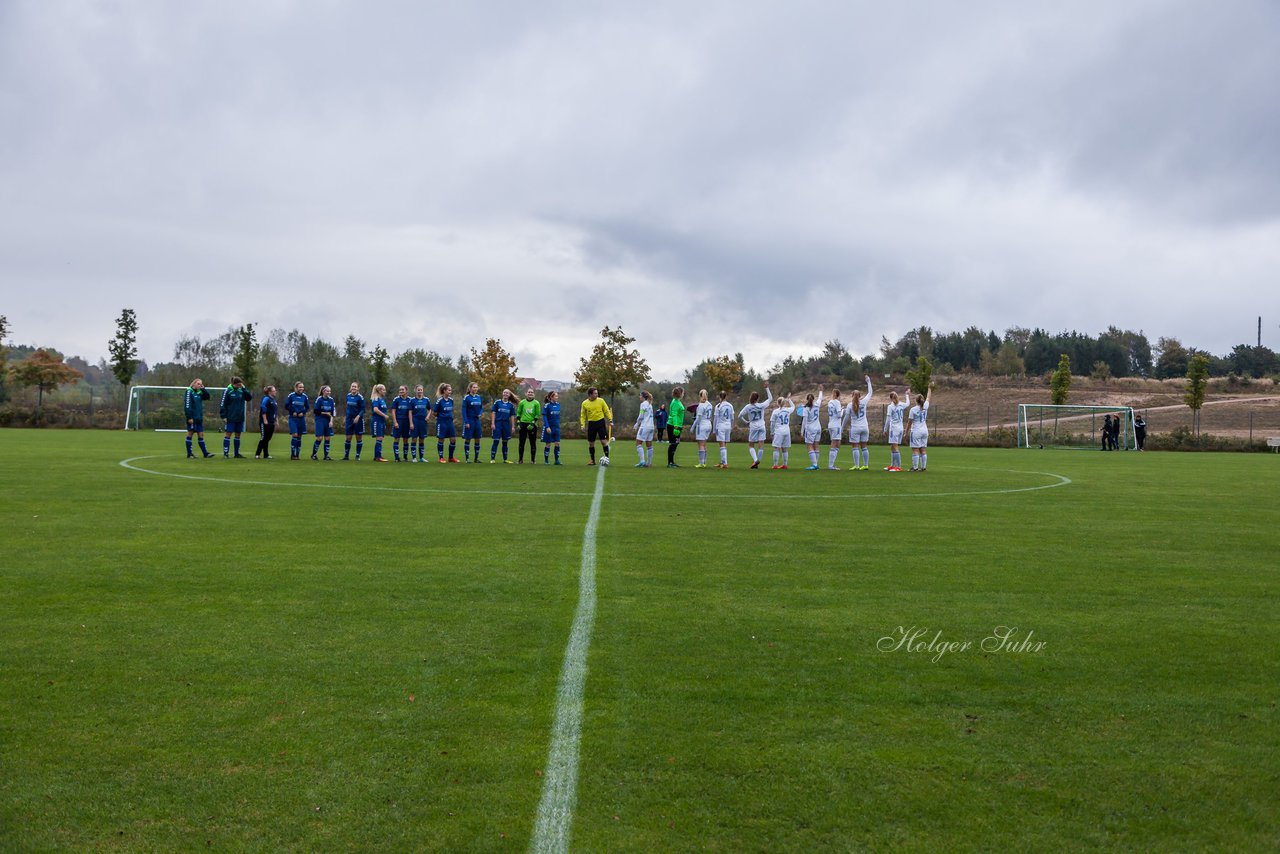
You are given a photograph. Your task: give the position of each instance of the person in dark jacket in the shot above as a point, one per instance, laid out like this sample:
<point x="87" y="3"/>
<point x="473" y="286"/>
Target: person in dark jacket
<point x="267" y="412"/>
<point x="1140" y="432"/>
<point x="1106" y="432"/>
<point x="232" y="409"/>
<point x="193" y="408"/>
<point x="660" y="422"/>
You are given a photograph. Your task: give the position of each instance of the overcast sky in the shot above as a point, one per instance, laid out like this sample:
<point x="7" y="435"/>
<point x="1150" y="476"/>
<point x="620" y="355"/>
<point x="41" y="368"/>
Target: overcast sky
<point x="715" y="177"/>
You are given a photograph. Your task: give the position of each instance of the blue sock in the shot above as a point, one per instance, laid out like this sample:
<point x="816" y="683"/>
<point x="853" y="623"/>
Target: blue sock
<point x="326" y="447"/>
<point x="346" y="448"/>
<point x="493" y="452"/>
<point x="202" y="447"/>
<point x="557" y="453"/>
<point x="546" y="453"/>
<point x="359" y="446"/>
<point x="235" y="444"/>
<point x="377" y="449"/>
<point x="440" y="448"/>
<point x="189" y="454"/>
<point x="504" y="449"/>
<point x="226" y="445"/>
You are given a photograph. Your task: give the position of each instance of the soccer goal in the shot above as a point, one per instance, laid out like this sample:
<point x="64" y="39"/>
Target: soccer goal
<point x="1042" y="425"/>
<point x="162" y="408"/>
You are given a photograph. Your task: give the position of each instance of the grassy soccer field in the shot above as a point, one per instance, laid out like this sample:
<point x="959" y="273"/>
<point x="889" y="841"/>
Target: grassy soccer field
<point x="341" y="656"/>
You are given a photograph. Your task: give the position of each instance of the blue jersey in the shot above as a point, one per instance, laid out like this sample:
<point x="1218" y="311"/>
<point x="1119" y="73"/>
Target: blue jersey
<point x="402" y="405"/>
<point x="420" y="406"/>
<point x="444" y="409"/>
<point x="297" y="404"/>
<point x="325" y="407"/>
<point x="268" y="408"/>
<point x="551" y="415"/>
<point x="375" y="406"/>
<point x="472" y="407"/>
<point x="355" y="406"/>
<point x="193" y="403"/>
<point x="503" y="409"/>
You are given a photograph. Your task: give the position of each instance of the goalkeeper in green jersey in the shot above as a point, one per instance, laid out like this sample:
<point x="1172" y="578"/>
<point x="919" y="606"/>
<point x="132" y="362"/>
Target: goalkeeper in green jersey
<point x="675" y="422"/>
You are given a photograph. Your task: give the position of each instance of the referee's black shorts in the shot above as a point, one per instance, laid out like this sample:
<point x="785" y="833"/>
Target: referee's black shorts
<point x="598" y="430"/>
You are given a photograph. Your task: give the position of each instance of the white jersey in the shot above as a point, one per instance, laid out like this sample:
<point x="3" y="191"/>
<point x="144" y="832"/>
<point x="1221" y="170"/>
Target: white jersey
<point x="702" y="421"/>
<point x="780" y="423"/>
<point x="753" y="415"/>
<point x="724" y="420"/>
<point x="644" y="422"/>
<point x="812" y="427"/>
<point x="835" y="418"/>
<point x="919" y="418"/>
<point x="893" y="422"/>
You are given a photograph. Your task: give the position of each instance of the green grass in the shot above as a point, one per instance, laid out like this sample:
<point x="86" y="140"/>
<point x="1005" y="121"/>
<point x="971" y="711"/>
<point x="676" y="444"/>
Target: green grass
<point x="286" y="665"/>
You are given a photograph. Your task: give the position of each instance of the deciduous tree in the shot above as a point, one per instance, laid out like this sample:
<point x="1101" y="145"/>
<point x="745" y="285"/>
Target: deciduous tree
<point x="493" y="368"/>
<point x="1197" y="385"/>
<point x="45" y="371"/>
<point x="612" y="367"/>
<point x="1060" y="381"/>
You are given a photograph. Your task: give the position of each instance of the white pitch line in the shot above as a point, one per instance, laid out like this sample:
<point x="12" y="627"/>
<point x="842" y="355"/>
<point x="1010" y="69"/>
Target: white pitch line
<point x="554" y="824"/>
<point x="1060" y="480"/>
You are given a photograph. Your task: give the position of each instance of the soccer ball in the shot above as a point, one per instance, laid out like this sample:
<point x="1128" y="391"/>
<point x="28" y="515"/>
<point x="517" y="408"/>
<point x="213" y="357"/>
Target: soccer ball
<point x="604" y="461"/>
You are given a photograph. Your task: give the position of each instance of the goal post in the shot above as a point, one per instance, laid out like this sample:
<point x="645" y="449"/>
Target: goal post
<point x="1043" y="425"/>
<point x="162" y="408"/>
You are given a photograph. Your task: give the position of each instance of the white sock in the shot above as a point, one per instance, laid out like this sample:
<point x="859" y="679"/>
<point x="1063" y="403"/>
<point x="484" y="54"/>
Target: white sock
<point x="831" y="457"/>
<point x="724" y="456"/>
<point x="866" y="456"/>
<point x="752" y="452"/>
<point x="785" y="454"/>
<point x="648" y="455"/>
<point x="775" y="456"/>
<point x="813" y="458"/>
<point x="640" y="452"/>
<point x="924" y="460"/>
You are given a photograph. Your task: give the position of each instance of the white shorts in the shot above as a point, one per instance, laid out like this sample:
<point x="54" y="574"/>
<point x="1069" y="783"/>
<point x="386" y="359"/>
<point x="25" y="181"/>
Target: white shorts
<point x="919" y="438"/>
<point x="723" y="434"/>
<point x="859" y="434"/>
<point x="812" y="436"/>
<point x="895" y="435"/>
<point x="835" y="437"/>
<point x="782" y="440"/>
<point x="756" y="434"/>
<point x="702" y="431"/>
<point x="644" y="434"/>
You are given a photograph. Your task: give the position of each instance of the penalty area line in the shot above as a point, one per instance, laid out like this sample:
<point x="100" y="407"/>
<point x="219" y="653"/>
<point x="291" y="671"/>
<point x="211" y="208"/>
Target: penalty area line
<point x="554" y="823"/>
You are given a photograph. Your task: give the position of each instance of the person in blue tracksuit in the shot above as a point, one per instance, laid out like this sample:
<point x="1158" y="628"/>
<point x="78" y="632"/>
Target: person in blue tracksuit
<point x="445" y="428"/>
<point x="378" y="420"/>
<point x="400" y="409"/>
<point x="193" y="407"/>
<point x="296" y="406"/>
<point x="353" y="423"/>
<point x="232" y="409"/>
<point x="324" y="409"/>
<point x="504" y="416"/>
<point x="551" y="428"/>
<point x="472" y="412"/>
<point x="267" y="412"/>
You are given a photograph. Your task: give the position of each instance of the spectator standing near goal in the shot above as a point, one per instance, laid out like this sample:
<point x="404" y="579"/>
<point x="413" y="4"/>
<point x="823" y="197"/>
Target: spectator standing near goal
<point x="267" y="412"/>
<point x="597" y="419"/>
<point x="353" y="422"/>
<point x="757" y="427"/>
<point x="675" y="423"/>
<point x="324" y="409"/>
<point x="918" y="431"/>
<point x="296" y="406"/>
<point x="528" y="419"/>
<point x="893" y="431"/>
<point x="860" y="429"/>
<point x="551" y="428"/>
<point x="660" y="422"/>
<point x="193" y="407"/>
<point x="1140" y="432"/>
<point x="1106" y="432"/>
<point x="644" y="431"/>
<point x="232" y="408"/>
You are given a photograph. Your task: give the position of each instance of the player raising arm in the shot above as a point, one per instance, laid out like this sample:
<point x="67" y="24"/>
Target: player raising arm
<point x="780" y="426"/>
<point x="232" y="408"/>
<point x="836" y="412"/>
<point x="859" y="429"/>
<point x="757" y="426"/>
<point x="918" y="431"/>
<point x="193" y="408"/>
<point x="812" y="427"/>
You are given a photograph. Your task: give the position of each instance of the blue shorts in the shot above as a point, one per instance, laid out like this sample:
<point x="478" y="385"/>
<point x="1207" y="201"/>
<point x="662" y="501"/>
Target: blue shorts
<point x="419" y="430"/>
<point x="446" y="430"/>
<point x="471" y="429"/>
<point x="378" y="428"/>
<point x="502" y="430"/>
<point x="550" y="435"/>
<point x="195" y="426"/>
<point x="400" y="431"/>
<point x="354" y="428"/>
<point x="297" y="425"/>
<point x="235" y="427"/>
<point x="324" y="428"/>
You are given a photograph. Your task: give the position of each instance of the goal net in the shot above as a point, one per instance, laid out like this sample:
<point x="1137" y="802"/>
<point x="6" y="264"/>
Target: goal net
<point x="1042" y="425"/>
<point x="161" y="408"/>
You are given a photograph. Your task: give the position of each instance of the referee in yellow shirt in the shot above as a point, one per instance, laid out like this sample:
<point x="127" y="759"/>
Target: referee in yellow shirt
<point x="597" y="420"/>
